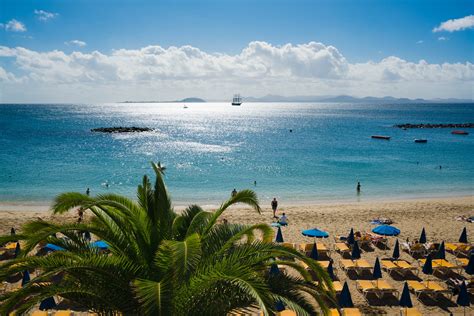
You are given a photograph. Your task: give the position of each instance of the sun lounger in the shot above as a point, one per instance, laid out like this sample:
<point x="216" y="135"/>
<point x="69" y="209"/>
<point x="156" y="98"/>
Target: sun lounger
<point x="398" y="266"/>
<point x="432" y="288"/>
<point x="323" y="263"/>
<point x="342" y="248"/>
<point x="462" y="261"/>
<point x="378" y="239"/>
<point x="345" y="312"/>
<point x="286" y="312"/>
<point x="39" y="313"/>
<point x="414" y="249"/>
<point x="442" y="265"/>
<point x="289" y="245"/>
<point x="337" y="285"/>
<point x="354" y="265"/>
<point x="410" y="312"/>
<point x="377" y="287"/>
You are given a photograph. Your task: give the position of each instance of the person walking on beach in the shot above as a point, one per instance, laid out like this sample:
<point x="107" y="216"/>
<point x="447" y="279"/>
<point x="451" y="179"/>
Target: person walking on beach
<point x="88" y="191"/>
<point x="358" y="187"/>
<point x="234" y="192"/>
<point x="274" y="207"/>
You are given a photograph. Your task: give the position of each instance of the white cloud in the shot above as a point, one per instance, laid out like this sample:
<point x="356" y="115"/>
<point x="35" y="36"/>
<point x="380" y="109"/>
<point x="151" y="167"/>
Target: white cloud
<point x="420" y="42"/>
<point x="154" y="72"/>
<point x="76" y="43"/>
<point x="14" y="26"/>
<point x="45" y="15"/>
<point x="453" y="25"/>
<point x="442" y="38"/>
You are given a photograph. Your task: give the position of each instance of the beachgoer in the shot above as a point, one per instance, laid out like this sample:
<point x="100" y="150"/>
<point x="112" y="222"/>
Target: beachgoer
<point x="274" y="207"/>
<point x="255" y="183"/>
<point x="283" y="220"/>
<point x="12" y="231"/>
<point x="358" y="187"/>
<point x="80" y="213"/>
<point x="234" y="192"/>
<point x="88" y="191"/>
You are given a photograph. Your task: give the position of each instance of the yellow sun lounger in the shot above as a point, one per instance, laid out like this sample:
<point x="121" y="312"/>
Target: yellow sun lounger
<point x="345" y="312"/>
<point x="341" y="248"/>
<point x="355" y="265"/>
<point x="323" y="263"/>
<point x="337" y="285"/>
<point x="39" y="313"/>
<point x="428" y="288"/>
<point x="399" y="266"/>
<point x="377" y="287"/>
<point x="289" y="245"/>
<point x="286" y="312"/>
<point x="305" y="247"/>
<point x="442" y="265"/>
<point x="462" y="261"/>
<point x="410" y="312"/>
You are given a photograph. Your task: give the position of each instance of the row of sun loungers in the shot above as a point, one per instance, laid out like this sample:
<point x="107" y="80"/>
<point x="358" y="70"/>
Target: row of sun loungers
<point x="431" y="288"/>
<point x="401" y="267"/>
<point x="377" y="287"/>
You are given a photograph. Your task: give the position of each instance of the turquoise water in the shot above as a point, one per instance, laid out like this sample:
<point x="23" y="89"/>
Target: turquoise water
<point x="211" y="148"/>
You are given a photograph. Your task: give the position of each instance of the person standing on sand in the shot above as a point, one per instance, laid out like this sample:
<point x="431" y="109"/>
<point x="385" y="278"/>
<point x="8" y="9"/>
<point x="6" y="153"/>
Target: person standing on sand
<point x="274" y="207"/>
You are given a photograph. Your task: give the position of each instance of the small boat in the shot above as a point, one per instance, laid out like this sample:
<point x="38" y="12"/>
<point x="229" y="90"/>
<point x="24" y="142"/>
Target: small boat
<point x="381" y="137"/>
<point x="185" y="106"/>
<point x="236" y="100"/>
<point x="459" y="133"/>
<point x="420" y="140"/>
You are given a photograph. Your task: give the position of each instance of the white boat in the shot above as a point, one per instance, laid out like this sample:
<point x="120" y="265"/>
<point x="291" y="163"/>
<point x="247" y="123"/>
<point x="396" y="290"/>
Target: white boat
<point x="185" y="106"/>
<point x="236" y="100"/>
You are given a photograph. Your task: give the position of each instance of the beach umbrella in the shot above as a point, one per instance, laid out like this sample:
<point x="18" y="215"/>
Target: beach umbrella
<point x="463" y="297"/>
<point x="314" y="252"/>
<point x="345" y="299"/>
<point x="396" y="250"/>
<point x="470" y="265"/>
<point x="441" y="254"/>
<point x="422" y="236"/>
<point x="26" y="278"/>
<point x="100" y="244"/>
<point x="274" y="271"/>
<point x="279" y="306"/>
<point x="377" y="274"/>
<point x="331" y="271"/>
<point x="386" y="230"/>
<point x="87" y="235"/>
<point x="47" y="303"/>
<point x="463" y="237"/>
<point x="355" y="254"/>
<point x="12" y="231"/>
<point x="52" y="247"/>
<point x="350" y="238"/>
<point x="428" y="266"/>
<point x="316" y="233"/>
<point x="279" y="236"/>
<point x="17" y="249"/>
<point x="405" y="299"/>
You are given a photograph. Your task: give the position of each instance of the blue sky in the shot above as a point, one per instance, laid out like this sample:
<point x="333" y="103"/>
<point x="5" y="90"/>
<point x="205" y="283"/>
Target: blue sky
<point x="362" y="31"/>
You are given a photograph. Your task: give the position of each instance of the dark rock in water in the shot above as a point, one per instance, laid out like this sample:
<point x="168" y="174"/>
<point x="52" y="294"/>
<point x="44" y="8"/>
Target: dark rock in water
<point x="121" y="129"/>
<point x="451" y="125"/>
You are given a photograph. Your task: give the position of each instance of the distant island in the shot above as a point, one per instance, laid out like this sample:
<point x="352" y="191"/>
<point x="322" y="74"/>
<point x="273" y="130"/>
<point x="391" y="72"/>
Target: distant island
<point x="185" y="100"/>
<point x="349" y="99"/>
<point x="323" y="98"/>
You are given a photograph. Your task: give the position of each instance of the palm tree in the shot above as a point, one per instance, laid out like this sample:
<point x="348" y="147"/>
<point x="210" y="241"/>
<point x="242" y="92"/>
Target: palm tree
<point x="161" y="262"/>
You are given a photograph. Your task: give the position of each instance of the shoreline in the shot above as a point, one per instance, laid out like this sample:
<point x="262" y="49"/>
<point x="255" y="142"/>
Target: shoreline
<point x="33" y="206"/>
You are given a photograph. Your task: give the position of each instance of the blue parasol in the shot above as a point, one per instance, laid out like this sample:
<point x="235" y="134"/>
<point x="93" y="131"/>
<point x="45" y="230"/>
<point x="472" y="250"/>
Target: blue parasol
<point x="377" y="274"/>
<point x="314" y="252"/>
<point x="405" y="299"/>
<point x="463" y="237"/>
<point x="441" y="253"/>
<point x="47" y="303"/>
<point x="428" y="266"/>
<point x="386" y="230"/>
<point x="100" y="244"/>
<point x="350" y="238"/>
<point x="331" y="271"/>
<point x="279" y="236"/>
<point x="345" y="299"/>
<point x="52" y="247"/>
<point x="355" y="254"/>
<point x="317" y="233"/>
<point x="396" y="250"/>
<point x="422" y="237"/>
<point x="26" y="278"/>
<point x="469" y="269"/>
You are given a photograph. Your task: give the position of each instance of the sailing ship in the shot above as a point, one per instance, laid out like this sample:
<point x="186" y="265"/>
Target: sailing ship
<point x="236" y="100"/>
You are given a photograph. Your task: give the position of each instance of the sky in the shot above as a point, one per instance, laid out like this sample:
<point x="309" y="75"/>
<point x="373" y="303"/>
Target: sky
<point x="106" y="51"/>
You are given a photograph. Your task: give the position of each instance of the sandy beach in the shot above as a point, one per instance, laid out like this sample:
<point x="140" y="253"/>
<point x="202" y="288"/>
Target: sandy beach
<point x="410" y="216"/>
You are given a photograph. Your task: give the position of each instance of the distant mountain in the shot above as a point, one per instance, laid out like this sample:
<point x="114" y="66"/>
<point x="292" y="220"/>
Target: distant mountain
<point x="191" y="100"/>
<point x="349" y="99"/>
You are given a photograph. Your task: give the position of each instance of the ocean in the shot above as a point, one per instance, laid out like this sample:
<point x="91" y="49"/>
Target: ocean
<point x="297" y="152"/>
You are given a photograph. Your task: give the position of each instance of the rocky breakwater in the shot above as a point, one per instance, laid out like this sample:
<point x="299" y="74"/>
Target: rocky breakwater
<point x="450" y="125"/>
<point x="121" y="129"/>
